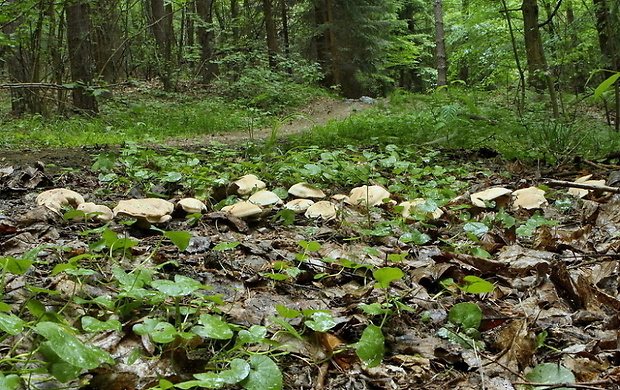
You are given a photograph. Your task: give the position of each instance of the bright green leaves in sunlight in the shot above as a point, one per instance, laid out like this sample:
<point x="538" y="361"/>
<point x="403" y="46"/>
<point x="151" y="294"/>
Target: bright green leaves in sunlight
<point x="386" y="275"/>
<point x="238" y="371"/>
<point x="213" y="327"/>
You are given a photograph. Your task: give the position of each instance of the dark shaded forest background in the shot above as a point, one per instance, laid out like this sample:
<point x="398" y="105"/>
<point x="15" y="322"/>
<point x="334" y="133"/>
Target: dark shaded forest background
<point x="64" y="56"/>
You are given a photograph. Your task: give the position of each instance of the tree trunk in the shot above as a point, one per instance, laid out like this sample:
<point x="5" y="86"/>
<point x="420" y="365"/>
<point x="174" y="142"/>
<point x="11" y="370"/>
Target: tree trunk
<point x="208" y="68"/>
<point x="234" y="17"/>
<point x="285" y="32"/>
<point x="536" y="62"/>
<point x="440" y="45"/>
<point x="20" y="65"/>
<point x="161" y="22"/>
<point x="271" y="34"/>
<point x="107" y="38"/>
<point x="81" y="55"/>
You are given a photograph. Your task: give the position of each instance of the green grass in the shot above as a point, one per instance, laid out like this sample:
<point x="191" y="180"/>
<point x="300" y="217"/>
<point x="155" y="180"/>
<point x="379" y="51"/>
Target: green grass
<point x="459" y="121"/>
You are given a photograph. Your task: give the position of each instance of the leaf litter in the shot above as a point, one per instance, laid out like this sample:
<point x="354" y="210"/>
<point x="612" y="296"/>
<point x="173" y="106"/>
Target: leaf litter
<point x="493" y="292"/>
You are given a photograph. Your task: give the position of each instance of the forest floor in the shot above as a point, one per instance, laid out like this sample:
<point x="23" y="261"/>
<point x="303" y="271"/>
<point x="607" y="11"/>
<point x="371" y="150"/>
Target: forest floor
<point x="473" y="298"/>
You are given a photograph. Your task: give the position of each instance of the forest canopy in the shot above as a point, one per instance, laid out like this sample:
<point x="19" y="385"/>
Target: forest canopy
<point x="64" y="56"/>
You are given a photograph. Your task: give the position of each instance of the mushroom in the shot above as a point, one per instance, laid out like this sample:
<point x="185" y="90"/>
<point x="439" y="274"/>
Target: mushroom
<point x="368" y="195"/>
<point x="324" y="210"/>
<point x="580" y="192"/>
<point x="528" y="198"/>
<point x="246" y="184"/>
<point x="498" y="194"/>
<point x="192" y="205"/>
<point x="96" y="212"/>
<point x="409" y="205"/>
<point x="265" y="198"/>
<point x="299" y="205"/>
<point x="146" y="211"/>
<point x="243" y="209"/>
<point x="56" y="198"/>
<point x="305" y="190"/>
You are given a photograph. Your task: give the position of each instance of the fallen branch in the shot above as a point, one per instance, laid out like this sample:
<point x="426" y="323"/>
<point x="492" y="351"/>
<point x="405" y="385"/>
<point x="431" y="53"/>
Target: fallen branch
<point x="584" y="186"/>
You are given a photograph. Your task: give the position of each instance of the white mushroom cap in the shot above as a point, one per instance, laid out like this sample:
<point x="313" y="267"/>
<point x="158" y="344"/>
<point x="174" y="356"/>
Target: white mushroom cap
<point x="323" y="210"/>
<point x="192" y="205"/>
<point x="368" y="195"/>
<point x="478" y="198"/>
<point x="243" y="209"/>
<point x="299" y="205"/>
<point x="305" y="190"/>
<point x="102" y="213"/>
<point x="248" y="183"/>
<point x="152" y="210"/>
<point x="529" y="198"/>
<point x="412" y="204"/>
<point x="58" y="197"/>
<point x="264" y="198"/>
<point x="580" y="192"/>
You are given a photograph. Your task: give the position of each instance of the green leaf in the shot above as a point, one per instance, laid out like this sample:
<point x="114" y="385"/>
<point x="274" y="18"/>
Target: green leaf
<point x="285" y="312"/>
<point x="476" y="228"/>
<point x="374" y="309"/>
<point x="239" y="370"/>
<point x="15" y="266"/>
<point x="371" y="346"/>
<point x="476" y="285"/>
<point x="264" y="374"/>
<point x="255" y="334"/>
<point x="288" y="327"/>
<point x="138" y="278"/>
<point x="172" y="177"/>
<point x="9" y="382"/>
<point x="550" y="373"/>
<point x="605" y="85"/>
<point x="91" y="324"/>
<point x="384" y="276"/>
<point x="180" y="287"/>
<point x="69" y="348"/>
<point x="223" y="246"/>
<point x="213" y="327"/>
<point x="160" y="331"/>
<point x="466" y="315"/>
<point x="310" y="246"/>
<point x="416" y="237"/>
<point x="73" y="214"/>
<point x="5" y="307"/>
<point x="180" y="239"/>
<point x="11" y="324"/>
<point x="321" y="322"/>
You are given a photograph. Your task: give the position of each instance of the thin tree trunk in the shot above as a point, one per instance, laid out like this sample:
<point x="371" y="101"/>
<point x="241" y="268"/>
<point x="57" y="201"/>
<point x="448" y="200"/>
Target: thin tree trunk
<point x="539" y="76"/>
<point x="270" y="31"/>
<point x="285" y="32"/>
<point x="161" y="21"/>
<point x="208" y="68"/>
<point x="107" y="39"/>
<point x="234" y="17"/>
<point x="515" y="52"/>
<point x="440" y="45"/>
<point x="81" y="55"/>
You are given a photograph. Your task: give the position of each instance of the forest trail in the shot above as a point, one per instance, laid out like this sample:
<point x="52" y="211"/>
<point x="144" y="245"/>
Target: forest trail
<point x="317" y="113"/>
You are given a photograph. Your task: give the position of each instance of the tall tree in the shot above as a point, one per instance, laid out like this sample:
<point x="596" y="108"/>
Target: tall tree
<point x="205" y="30"/>
<point x="440" y="45"/>
<point x="108" y="51"/>
<point x="81" y="55"/>
<point x="271" y="33"/>
<point x="160" y="19"/>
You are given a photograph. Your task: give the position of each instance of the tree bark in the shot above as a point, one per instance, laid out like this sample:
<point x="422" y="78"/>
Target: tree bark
<point x="208" y="68"/>
<point x="81" y="55"/>
<point x="271" y="34"/>
<point x="161" y="22"/>
<point x="440" y="45"/>
<point x="108" y="51"/>
<point x="536" y="62"/>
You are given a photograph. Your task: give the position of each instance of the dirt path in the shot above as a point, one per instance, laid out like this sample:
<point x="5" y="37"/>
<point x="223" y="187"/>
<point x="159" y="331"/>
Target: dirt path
<point x="317" y="113"/>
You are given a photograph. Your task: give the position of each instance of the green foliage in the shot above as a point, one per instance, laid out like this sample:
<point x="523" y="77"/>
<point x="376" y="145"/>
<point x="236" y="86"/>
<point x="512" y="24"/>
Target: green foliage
<point x="550" y="373"/>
